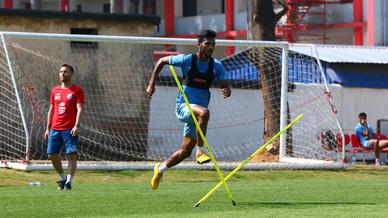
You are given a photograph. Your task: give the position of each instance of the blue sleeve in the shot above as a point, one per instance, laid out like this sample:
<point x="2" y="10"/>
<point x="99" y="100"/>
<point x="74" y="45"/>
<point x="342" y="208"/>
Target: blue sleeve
<point x="181" y="60"/>
<point x="359" y="131"/>
<point x="219" y="70"/>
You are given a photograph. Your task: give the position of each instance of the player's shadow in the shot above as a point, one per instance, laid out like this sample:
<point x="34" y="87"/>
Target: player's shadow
<point x="291" y="204"/>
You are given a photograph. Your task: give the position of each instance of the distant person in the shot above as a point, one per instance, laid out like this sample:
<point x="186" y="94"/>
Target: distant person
<point x="199" y="71"/>
<point x="367" y="139"/>
<point x="63" y="118"/>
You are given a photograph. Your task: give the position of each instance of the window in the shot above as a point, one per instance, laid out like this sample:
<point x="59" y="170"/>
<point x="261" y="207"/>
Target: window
<point x="189" y="8"/>
<point x="106" y="8"/>
<point x="27" y="6"/>
<point x="79" y="8"/>
<point x="83" y="44"/>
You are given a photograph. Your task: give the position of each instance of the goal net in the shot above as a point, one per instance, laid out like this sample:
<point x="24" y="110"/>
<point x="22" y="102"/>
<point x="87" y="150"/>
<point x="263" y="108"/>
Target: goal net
<point x="119" y="122"/>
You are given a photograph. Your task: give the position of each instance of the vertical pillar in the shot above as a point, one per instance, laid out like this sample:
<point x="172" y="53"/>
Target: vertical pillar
<point x="169" y="18"/>
<point x="229" y="24"/>
<point x="125" y="6"/>
<point x="8" y="4"/>
<point x="290" y="21"/>
<point x="371" y="23"/>
<point x="141" y="9"/>
<point x="115" y="6"/>
<point x="358" y="18"/>
<point x="64" y="5"/>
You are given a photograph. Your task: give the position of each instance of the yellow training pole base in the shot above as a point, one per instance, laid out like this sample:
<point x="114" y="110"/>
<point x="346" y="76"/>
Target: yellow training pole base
<point x="233" y="202"/>
<point x="248" y="159"/>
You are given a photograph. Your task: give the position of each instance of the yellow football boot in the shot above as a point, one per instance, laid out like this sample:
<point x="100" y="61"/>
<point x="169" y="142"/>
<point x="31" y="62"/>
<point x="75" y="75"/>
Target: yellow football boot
<point x="156" y="178"/>
<point x="202" y="158"/>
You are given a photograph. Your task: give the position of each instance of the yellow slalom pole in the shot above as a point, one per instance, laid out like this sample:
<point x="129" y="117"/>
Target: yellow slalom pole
<point x="202" y="136"/>
<point x="249" y="158"/>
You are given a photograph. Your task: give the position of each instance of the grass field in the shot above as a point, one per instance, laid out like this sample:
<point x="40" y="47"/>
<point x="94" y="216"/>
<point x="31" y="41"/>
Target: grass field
<point x="360" y="191"/>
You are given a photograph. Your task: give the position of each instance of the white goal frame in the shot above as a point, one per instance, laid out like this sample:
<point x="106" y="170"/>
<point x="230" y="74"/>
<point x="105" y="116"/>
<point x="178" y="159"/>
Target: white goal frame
<point x="284" y="162"/>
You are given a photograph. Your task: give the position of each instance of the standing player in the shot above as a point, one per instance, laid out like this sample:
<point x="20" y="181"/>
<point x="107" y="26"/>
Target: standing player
<point x="199" y="71"/>
<point x="63" y="117"/>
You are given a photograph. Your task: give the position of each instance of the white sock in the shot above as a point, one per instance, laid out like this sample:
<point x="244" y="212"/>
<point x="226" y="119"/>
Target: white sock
<point x="163" y="167"/>
<point x="200" y="149"/>
<point x="62" y="176"/>
<point x="69" y="178"/>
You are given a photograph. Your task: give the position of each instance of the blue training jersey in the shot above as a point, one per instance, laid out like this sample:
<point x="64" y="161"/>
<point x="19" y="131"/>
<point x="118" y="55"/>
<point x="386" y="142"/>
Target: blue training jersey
<point x="359" y="129"/>
<point x="196" y="96"/>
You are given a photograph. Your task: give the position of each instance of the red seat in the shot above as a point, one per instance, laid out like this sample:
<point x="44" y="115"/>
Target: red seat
<point x="358" y="148"/>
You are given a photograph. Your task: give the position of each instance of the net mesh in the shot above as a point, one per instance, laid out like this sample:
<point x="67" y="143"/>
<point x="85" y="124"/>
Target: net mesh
<point x="120" y="123"/>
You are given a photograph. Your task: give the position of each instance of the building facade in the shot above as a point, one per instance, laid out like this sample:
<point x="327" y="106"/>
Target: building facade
<point x="358" y="22"/>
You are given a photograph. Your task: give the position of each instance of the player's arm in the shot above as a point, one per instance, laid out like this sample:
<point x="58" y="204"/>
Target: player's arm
<point x="155" y="72"/>
<point x="221" y="77"/>
<point x="360" y="133"/>
<point x="225" y="89"/>
<point x="50" y="114"/>
<point x="366" y="130"/>
<point x="74" y="131"/>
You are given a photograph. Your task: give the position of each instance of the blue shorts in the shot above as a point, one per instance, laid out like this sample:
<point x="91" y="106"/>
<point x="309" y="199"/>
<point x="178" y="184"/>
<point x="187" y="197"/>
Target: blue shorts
<point x="57" y="138"/>
<point x="183" y="114"/>
<point x="366" y="144"/>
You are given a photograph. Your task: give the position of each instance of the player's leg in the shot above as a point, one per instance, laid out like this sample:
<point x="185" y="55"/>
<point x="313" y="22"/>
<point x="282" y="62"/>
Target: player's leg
<point x="383" y="143"/>
<point x="374" y="144"/>
<point x="178" y="156"/>
<point x="71" y="155"/>
<point x="53" y="150"/>
<point x="182" y="153"/>
<point x="188" y="143"/>
<point x="203" y="116"/>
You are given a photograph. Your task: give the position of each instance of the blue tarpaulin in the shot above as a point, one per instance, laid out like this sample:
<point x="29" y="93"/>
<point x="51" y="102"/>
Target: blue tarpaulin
<point x="303" y="68"/>
<point x="359" y="75"/>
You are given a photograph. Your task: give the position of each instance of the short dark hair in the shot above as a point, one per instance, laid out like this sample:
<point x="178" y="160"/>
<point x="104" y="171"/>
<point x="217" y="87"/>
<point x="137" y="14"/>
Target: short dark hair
<point x="362" y="114"/>
<point x="205" y="34"/>
<point x="69" y="67"/>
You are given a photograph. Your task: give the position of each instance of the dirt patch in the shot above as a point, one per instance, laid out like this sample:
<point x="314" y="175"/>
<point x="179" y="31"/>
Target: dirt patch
<point x="265" y="156"/>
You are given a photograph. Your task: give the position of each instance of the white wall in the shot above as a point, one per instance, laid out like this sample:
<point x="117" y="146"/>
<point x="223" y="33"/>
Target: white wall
<point x="352" y="101"/>
<point x="244" y="124"/>
<point x="178" y="8"/>
<point x="231" y="135"/>
<point x="190" y="25"/>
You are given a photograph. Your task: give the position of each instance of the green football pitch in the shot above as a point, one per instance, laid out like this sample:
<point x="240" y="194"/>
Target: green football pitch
<point x="360" y="191"/>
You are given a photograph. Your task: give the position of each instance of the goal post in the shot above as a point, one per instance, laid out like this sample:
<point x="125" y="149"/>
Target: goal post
<point x="121" y="127"/>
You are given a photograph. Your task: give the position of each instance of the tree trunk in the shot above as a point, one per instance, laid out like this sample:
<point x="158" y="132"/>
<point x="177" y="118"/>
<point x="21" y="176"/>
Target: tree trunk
<point x="268" y="65"/>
